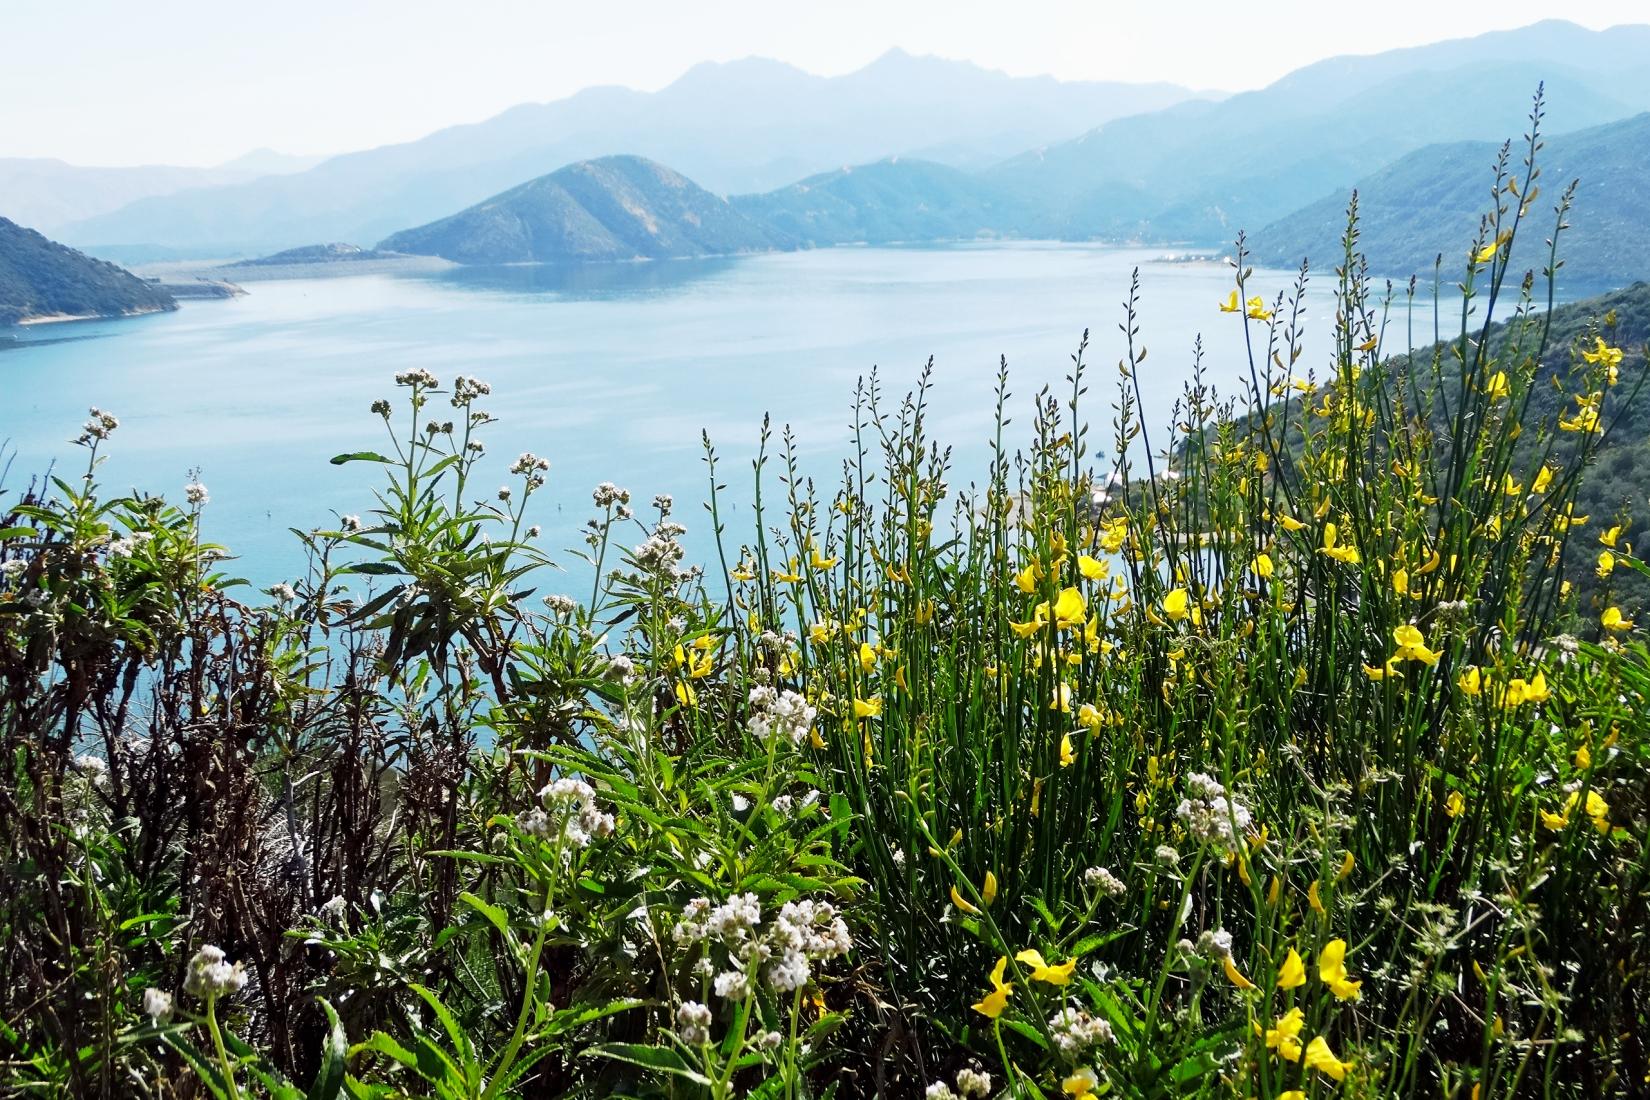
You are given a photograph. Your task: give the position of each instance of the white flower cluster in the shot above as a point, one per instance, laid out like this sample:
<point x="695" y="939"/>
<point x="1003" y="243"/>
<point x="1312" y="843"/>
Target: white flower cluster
<point x="1211" y="815"/>
<point x="661" y="553"/>
<point x="195" y="493"/>
<point x="100" y="426"/>
<point x="283" y="592"/>
<point x="532" y="466"/>
<point x="1214" y="944"/>
<point x="693" y="1023"/>
<point x="803" y="933"/>
<point x="782" y="713"/>
<point x="1075" y="1031"/>
<point x="126" y="547"/>
<point x="157" y="1005"/>
<point x="210" y="976"/>
<point x="349" y="524"/>
<point x="420" y="377"/>
<point x="560" y="604"/>
<point x="14" y="568"/>
<point x="569" y="812"/>
<point x="1101" y="879"/>
<point x="608" y="494"/>
<point x="333" y="909"/>
<point x="466" y="390"/>
<point x="972" y="1084"/>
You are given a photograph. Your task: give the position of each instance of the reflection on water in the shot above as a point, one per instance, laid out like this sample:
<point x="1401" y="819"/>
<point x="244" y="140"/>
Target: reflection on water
<point x="588" y="281"/>
<point x="611" y="371"/>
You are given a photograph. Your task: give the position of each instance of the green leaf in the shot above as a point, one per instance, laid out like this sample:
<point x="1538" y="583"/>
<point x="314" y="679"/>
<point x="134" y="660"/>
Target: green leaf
<point x="329" y="1079"/>
<point x="662" y="1059"/>
<point x="359" y="456"/>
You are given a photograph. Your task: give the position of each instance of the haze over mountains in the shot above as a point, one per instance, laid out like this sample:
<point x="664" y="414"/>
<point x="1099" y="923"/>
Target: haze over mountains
<point x="916" y="149"/>
<point x="741" y="126"/>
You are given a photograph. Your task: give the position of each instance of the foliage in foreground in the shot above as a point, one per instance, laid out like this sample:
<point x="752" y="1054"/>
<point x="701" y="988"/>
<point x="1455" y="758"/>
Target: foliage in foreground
<point x="1284" y="766"/>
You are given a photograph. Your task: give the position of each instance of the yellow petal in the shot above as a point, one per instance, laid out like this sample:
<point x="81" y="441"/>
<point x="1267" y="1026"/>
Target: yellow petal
<point x="1292" y="974"/>
<point x="1234" y="975"/>
<point x="963" y="903"/>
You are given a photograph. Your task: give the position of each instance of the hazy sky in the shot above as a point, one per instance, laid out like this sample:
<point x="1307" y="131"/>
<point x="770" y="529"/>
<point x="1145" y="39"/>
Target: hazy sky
<point x="201" y="81"/>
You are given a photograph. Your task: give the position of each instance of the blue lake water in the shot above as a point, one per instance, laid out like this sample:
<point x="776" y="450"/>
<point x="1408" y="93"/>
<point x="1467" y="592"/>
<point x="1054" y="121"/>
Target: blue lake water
<point x="611" y="371"/>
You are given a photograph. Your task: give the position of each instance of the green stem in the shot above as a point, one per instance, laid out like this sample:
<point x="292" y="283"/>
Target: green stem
<point x="217" y="1045"/>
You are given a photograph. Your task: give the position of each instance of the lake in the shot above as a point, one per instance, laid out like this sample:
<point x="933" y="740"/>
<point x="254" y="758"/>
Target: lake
<point x="611" y="371"/>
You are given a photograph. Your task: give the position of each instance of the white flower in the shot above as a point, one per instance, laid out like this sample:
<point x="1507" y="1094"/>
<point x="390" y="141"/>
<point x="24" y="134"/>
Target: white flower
<point x="195" y="493"/>
<point x="561" y="605"/>
<point x="789" y="971"/>
<point x="210" y="976"/>
<point x="14" y="568"/>
<point x="283" y="592"/>
<point x="350" y="524"/>
<point x="528" y="463"/>
<point x="693" y="1023"/>
<point x="607" y="494"/>
<point x="466" y="390"/>
<point x="1211" y="815"/>
<point x="732" y="985"/>
<point x="785" y="713"/>
<point x="973" y="1084"/>
<point x="1101" y="879"/>
<point x="939" y="1090"/>
<point x="422" y="378"/>
<point x="333" y="909"/>
<point x="157" y="1005"/>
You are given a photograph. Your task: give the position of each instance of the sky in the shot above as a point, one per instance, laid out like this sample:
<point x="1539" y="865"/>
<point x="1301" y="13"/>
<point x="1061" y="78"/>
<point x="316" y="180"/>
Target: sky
<point x="198" y="82"/>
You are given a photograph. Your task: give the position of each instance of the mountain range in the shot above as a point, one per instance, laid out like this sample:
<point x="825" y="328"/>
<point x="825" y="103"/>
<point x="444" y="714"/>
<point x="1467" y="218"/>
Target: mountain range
<point x="739" y="126"/>
<point x="41" y="279"/>
<point x="1428" y="204"/>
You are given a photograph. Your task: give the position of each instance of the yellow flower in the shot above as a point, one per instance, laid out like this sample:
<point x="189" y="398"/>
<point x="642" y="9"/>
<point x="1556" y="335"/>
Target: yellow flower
<point x="821" y="562"/>
<point x="1027" y="629"/>
<point x="1471" y="682"/>
<point x="1070" y="609"/>
<point x="1497" y="387"/>
<point x="1400" y="581"/>
<point x="1312" y="897"/>
<point x="1332" y="969"/>
<point x="1092" y="568"/>
<point x="1113" y="533"/>
<point x="1257" y="310"/>
<point x="1583" y="757"/>
<point x="1081" y="1084"/>
<point x="1606" y="563"/>
<point x="1331" y="540"/>
<point x="1613" y="620"/>
<point x="686" y="695"/>
<point x="1483" y="256"/>
<point x="1543" y="478"/>
<point x="867" y="657"/>
<point x="1175" y="604"/>
<point x="1230" y="305"/>
<point x="988" y="888"/>
<point x="1586" y="418"/>
<point x="992" y="1004"/>
<point x="1068" y="755"/>
<point x="1291" y="1094"/>
<point x="1599" y="811"/>
<point x="899" y="679"/>
<point x="868" y="708"/>
<point x="1609" y="537"/>
<point x="1263" y="566"/>
<point x="963" y="903"/>
<point x="1412" y="645"/>
<point x="1292" y="974"/>
<point x="1026" y="579"/>
<point x="1234" y="975"/>
<point x="1455" y="804"/>
<point x="1284" y="1035"/>
<point x="1290" y="523"/>
<point x="1604" y="354"/>
<point x="1062" y="698"/>
<point x="1041" y="971"/>
<point x="1322" y="1059"/>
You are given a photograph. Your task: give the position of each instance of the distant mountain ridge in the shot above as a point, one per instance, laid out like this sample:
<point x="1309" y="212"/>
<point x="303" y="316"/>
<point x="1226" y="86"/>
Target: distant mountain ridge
<point x="735" y="127"/>
<point x="41" y="279"/>
<point x="1429" y="202"/>
<point x="613" y="208"/>
<point x="1199" y="172"/>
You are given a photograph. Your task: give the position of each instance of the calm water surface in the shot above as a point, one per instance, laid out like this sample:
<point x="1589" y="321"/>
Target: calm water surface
<point x="611" y="371"/>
